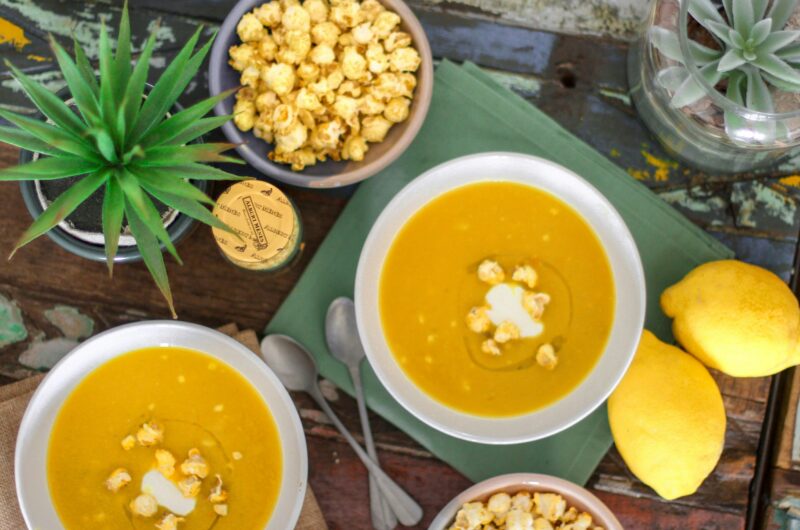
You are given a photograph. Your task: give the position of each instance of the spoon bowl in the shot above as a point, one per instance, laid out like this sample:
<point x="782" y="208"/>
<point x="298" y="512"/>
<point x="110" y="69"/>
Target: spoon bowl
<point x="341" y="332"/>
<point x="291" y="362"/>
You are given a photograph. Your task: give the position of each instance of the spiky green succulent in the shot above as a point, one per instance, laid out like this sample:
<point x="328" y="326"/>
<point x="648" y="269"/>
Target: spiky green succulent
<point x="753" y="52"/>
<point x="121" y="138"/>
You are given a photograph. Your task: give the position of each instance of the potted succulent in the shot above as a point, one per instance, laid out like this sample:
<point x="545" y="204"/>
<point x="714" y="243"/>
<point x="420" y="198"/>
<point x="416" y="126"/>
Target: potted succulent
<point x="719" y="82"/>
<point x="118" y="154"/>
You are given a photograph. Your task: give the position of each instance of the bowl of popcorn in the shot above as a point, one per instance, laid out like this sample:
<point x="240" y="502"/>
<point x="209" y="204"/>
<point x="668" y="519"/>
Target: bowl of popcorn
<point x="500" y="298"/>
<point x="525" y="501"/>
<point x="327" y="93"/>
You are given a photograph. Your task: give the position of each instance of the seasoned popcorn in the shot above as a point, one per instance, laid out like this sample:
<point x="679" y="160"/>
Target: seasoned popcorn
<point x="491" y="272"/>
<point x="165" y="462"/>
<point x="525" y="274"/>
<point x="128" y="443"/>
<point x="169" y="522"/>
<point x="551" y="506"/>
<point x="478" y="320"/>
<point x="145" y="505"/>
<point x="150" y="434"/>
<point x="546" y="356"/>
<point x="195" y="464"/>
<point x="505" y="332"/>
<point x="547" y="511"/>
<point x="218" y="494"/>
<point x="491" y="347"/>
<point x="190" y="486"/>
<point x="343" y="70"/>
<point x="535" y="303"/>
<point x="118" y="479"/>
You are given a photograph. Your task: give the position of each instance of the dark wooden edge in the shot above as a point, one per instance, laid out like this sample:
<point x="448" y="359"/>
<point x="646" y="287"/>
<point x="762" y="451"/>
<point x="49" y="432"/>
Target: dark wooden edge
<point x="774" y="419"/>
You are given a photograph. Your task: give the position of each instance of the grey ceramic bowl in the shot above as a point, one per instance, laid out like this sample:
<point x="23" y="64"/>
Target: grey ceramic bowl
<point x="221" y="77"/>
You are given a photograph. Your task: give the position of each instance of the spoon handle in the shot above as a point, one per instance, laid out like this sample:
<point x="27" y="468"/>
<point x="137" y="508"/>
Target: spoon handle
<point x="383" y="517"/>
<point x="408" y="512"/>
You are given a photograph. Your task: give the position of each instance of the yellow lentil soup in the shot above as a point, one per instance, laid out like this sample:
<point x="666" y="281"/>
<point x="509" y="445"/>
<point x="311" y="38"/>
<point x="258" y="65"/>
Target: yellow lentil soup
<point x="437" y="279"/>
<point x="176" y="403"/>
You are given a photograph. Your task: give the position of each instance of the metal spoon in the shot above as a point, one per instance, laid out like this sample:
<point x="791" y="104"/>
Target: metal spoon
<point x="296" y="369"/>
<point x="343" y="341"/>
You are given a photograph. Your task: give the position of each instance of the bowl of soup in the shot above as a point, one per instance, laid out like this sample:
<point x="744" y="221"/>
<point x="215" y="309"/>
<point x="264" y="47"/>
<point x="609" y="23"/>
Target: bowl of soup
<point x="500" y="298"/>
<point x="161" y="425"/>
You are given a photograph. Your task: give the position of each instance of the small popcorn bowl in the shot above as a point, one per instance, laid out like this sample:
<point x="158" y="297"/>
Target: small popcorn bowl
<point x="328" y="174"/>
<point x="576" y="496"/>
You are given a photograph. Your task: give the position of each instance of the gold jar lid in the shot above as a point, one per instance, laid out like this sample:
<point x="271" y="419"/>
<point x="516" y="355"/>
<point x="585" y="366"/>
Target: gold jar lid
<point x="266" y="220"/>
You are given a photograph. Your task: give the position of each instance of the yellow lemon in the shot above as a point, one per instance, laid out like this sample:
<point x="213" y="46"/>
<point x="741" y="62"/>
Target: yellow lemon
<point x="738" y="318"/>
<point x="667" y="419"/>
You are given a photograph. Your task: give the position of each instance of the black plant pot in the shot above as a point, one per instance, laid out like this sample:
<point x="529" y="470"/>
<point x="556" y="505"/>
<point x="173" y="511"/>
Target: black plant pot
<point x="84" y="236"/>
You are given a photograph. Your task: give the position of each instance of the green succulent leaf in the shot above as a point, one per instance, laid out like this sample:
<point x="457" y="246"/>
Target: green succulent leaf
<point x="731" y="60"/>
<point x="780" y="12"/>
<point x="104" y="143"/>
<point x="170" y="155"/>
<point x="50" y="168"/>
<point x="139" y="200"/>
<point x="758" y="98"/>
<point x="26" y="140"/>
<point x="667" y="43"/>
<point x="87" y="72"/>
<point x="776" y="67"/>
<point x="161" y="180"/>
<point x="51" y="105"/>
<point x="193" y="209"/>
<point x="200" y="172"/>
<point x="58" y="138"/>
<point x="113" y="214"/>
<point x="179" y="123"/>
<point x="672" y="77"/>
<point x="64" y="205"/>
<point x="199" y="128"/>
<point x="81" y="91"/>
<point x="780" y="84"/>
<point x="136" y="84"/>
<point x="778" y="40"/>
<point x="704" y="11"/>
<point x="722" y="32"/>
<point x="107" y="103"/>
<point x="160" y="98"/>
<point x="691" y="91"/>
<point x="735" y="125"/>
<point x="122" y="61"/>
<point x="743" y="16"/>
<point x="151" y="253"/>
<point x="760" y="31"/>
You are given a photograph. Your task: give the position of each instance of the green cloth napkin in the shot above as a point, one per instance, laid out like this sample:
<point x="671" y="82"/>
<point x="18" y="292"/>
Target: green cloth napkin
<point x="470" y="113"/>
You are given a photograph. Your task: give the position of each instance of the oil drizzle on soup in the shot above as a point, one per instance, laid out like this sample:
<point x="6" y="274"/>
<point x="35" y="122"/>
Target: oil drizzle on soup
<point x="201" y="403"/>
<point x="429" y="282"/>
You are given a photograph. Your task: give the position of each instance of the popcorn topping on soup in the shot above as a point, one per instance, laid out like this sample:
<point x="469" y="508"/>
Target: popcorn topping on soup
<point x="322" y="79"/>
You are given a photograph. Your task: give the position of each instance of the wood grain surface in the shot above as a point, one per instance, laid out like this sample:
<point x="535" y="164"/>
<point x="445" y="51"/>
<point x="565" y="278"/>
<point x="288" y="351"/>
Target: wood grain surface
<point x="576" y="75"/>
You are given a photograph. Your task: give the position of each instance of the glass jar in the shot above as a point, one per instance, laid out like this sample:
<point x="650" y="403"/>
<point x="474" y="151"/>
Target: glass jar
<point x="713" y="133"/>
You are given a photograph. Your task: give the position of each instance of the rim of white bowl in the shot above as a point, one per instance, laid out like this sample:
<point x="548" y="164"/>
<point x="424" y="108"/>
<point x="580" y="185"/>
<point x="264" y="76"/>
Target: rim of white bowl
<point x="291" y="496"/>
<point x="620" y="249"/>
<point x="512" y="483"/>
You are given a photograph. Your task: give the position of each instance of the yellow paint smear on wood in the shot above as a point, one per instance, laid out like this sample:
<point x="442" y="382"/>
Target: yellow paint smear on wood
<point x="12" y="33"/>
<point x="791" y="180"/>
<point x="661" y="167"/>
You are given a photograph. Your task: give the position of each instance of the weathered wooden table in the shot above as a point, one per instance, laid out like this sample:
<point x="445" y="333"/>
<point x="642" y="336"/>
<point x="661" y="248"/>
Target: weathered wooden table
<point x="567" y="57"/>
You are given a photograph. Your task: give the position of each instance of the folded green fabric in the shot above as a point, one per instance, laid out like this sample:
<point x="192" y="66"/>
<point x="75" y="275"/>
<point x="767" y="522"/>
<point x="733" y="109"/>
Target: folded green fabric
<point x="470" y="113"/>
